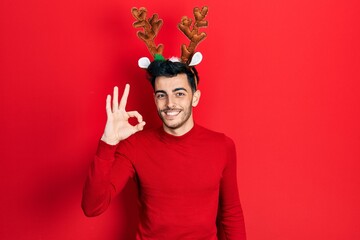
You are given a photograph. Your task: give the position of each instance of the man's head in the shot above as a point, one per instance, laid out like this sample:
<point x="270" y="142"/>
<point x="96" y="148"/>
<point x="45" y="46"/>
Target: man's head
<point x="175" y="94"/>
<point x="168" y="68"/>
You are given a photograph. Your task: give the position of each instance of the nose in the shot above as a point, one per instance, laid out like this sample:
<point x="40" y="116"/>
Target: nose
<point x="170" y="102"/>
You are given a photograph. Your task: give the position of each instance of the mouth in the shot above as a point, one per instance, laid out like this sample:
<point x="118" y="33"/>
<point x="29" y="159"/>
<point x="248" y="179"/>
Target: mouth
<point x="171" y="112"/>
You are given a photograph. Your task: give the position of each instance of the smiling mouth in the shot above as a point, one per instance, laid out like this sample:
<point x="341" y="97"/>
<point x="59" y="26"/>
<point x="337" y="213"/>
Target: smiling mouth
<point x="171" y="112"/>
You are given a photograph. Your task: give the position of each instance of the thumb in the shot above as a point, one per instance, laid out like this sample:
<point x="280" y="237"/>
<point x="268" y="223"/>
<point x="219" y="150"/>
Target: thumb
<point x="140" y="126"/>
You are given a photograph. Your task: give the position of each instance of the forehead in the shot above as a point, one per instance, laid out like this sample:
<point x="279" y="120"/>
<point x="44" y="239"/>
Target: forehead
<point x="170" y="83"/>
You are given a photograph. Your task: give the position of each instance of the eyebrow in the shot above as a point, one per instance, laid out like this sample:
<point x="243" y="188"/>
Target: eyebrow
<point x="175" y="90"/>
<point x="179" y="89"/>
<point x="160" y="91"/>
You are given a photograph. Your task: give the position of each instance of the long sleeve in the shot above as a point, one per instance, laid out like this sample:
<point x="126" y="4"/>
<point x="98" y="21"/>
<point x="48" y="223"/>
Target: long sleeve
<point x="231" y="216"/>
<point x="108" y="174"/>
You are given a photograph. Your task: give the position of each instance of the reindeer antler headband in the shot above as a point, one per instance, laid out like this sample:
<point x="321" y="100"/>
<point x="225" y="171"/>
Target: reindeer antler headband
<point x="152" y="25"/>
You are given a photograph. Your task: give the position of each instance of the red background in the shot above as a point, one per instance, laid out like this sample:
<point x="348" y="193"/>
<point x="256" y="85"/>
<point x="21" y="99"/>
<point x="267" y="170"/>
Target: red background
<point x="279" y="77"/>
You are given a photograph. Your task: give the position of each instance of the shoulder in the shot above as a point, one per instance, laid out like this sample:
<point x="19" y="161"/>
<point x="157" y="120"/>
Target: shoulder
<point x="213" y="134"/>
<point x="219" y="138"/>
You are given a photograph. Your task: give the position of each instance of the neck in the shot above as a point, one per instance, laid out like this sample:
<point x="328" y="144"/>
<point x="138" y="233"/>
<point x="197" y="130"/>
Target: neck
<point x="179" y="131"/>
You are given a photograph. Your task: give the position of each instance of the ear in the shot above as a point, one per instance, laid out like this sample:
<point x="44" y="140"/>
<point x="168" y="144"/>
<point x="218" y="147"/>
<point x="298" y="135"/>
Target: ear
<point x="196" y="98"/>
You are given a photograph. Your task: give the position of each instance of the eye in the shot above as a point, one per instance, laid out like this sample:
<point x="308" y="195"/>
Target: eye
<point x="160" y="95"/>
<point x="180" y="94"/>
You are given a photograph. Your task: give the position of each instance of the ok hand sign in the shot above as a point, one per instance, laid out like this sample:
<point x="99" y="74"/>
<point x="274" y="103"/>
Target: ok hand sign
<point x="117" y="126"/>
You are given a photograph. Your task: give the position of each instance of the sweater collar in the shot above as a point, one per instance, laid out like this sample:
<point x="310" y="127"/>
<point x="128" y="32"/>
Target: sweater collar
<point x="171" y="138"/>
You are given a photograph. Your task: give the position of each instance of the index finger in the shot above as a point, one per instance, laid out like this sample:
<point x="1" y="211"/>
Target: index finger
<point x="115" y="98"/>
<point x="124" y="97"/>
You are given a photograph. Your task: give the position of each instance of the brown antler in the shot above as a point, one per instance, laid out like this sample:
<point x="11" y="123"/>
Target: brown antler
<point x="151" y="28"/>
<point x="192" y="34"/>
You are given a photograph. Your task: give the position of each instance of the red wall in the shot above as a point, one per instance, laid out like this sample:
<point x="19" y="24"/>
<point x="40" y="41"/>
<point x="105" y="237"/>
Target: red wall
<point x="280" y="77"/>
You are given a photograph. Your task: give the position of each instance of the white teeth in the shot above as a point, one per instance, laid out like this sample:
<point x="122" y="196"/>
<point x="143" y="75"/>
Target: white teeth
<point x="172" y="113"/>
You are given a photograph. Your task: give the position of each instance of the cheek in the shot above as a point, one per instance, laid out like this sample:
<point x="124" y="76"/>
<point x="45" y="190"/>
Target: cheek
<point x="159" y="104"/>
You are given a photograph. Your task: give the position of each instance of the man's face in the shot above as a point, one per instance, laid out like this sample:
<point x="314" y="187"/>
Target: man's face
<point x="174" y="101"/>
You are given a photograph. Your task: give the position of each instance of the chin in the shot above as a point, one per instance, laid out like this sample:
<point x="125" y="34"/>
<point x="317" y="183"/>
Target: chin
<point x="172" y="126"/>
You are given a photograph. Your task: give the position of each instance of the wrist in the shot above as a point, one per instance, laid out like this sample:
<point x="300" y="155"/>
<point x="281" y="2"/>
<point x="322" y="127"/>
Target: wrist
<point x="109" y="140"/>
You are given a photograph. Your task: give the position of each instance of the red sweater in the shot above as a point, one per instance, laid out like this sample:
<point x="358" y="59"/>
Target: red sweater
<point x="182" y="183"/>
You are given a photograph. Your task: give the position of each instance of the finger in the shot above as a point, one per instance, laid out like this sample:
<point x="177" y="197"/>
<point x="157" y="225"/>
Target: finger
<point x="115" y="98"/>
<point x="108" y="106"/>
<point x="140" y="126"/>
<point x="124" y="97"/>
<point x="135" y="114"/>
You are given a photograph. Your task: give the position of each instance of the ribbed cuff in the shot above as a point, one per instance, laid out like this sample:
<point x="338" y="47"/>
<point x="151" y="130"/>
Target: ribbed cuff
<point x="106" y="151"/>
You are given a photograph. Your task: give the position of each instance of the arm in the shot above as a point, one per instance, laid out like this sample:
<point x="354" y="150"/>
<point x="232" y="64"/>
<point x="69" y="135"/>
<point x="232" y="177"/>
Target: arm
<point x="231" y="216"/>
<point x="109" y="171"/>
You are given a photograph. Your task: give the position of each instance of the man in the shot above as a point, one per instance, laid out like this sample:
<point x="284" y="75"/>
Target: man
<point x="186" y="174"/>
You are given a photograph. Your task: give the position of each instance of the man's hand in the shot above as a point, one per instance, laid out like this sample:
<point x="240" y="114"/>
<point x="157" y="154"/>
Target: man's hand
<point x="117" y="126"/>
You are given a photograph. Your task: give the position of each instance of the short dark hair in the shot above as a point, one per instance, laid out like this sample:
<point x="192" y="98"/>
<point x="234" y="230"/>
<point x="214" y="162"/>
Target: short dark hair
<point x="168" y="68"/>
